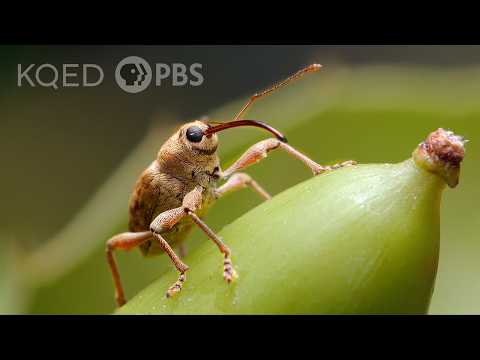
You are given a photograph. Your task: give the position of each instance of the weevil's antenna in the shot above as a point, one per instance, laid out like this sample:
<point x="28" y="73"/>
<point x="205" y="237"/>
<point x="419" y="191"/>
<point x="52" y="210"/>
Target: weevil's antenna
<point x="297" y="75"/>
<point x="222" y="126"/>
<point x="237" y="122"/>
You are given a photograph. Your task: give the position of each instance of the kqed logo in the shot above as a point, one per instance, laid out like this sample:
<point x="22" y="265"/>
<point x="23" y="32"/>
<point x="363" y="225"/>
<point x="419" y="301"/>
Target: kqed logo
<point x="133" y="74"/>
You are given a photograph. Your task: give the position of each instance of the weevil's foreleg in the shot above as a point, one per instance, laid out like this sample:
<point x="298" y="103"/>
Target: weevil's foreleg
<point x="123" y="241"/>
<point x="260" y="150"/>
<point x="179" y="265"/>
<point x="240" y="181"/>
<point x="164" y="222"/>
<point x="229" y="273"/>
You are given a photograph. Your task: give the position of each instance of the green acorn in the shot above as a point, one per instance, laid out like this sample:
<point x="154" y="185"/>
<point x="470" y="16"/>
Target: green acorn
<point x="358" y="240"/>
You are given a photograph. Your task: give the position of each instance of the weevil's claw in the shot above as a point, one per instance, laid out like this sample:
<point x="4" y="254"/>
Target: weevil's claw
<point x="177" y="287"/>
<point x="322" y="169"/>
<point x="229" y="273"/>
<point x="171" y="292"/>
<point x="347" y="163"/>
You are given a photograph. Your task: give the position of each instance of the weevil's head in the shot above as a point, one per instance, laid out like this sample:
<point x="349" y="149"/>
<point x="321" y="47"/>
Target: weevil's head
<point x="189" y="150"/>
<point x="195" y="144"/>
<point x="193" y="139"/>
<point x="199" y="138"/>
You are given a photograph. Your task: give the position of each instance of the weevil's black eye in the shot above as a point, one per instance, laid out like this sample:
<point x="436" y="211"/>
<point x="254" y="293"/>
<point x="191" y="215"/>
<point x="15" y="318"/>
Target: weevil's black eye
<point x="194" y="134"/>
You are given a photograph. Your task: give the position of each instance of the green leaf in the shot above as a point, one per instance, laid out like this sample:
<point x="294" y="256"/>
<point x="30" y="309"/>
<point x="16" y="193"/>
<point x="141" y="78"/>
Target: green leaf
<point x="362" y="239"/>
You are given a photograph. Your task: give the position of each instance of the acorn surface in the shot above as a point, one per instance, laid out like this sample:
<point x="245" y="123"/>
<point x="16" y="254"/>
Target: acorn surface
<point x="359" y="240"/>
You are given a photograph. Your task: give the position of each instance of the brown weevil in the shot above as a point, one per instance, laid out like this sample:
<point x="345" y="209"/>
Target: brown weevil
<point x="175" y="192"/>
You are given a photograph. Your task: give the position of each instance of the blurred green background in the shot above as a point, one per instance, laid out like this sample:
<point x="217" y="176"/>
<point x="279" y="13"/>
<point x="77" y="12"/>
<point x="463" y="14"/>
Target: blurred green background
<point x="70" y="157"/>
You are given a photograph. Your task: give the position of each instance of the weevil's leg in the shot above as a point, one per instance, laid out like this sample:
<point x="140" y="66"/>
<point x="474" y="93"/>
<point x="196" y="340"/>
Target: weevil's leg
<point x="229" y="273"/>
<point x="179" y="265"/>
<point x="260" y="150"/>
<point x="164" y="222"/>
<point x="240" y="181"/>
<point x="125" y="241"/>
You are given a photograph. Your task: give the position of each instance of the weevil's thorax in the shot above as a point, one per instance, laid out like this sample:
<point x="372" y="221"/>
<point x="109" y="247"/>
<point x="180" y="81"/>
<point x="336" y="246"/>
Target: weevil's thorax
<point x="195" y="163"/>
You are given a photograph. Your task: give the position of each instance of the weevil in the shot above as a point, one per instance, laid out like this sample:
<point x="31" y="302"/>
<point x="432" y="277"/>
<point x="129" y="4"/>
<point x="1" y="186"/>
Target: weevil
<point x="175" y="192"/>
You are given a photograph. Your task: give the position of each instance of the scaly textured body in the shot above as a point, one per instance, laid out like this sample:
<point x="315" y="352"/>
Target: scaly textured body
<point x="156" y="192"/>
<point x="164" y="184"/>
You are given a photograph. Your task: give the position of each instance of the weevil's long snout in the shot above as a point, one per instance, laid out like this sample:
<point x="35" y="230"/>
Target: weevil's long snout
<point x="231" y="124"/>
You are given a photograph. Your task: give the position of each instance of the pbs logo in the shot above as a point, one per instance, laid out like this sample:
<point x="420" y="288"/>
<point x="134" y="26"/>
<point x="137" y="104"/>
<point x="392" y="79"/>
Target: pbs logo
<point x="133" y="74"/>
